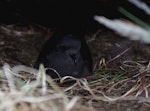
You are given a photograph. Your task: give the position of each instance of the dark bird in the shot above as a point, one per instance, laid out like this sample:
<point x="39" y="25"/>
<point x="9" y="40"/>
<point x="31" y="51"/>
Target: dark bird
<point x="68" y="55"/>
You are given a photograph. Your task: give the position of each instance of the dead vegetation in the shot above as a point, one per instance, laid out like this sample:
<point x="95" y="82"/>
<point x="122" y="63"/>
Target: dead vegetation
<point x="120" y="80"/>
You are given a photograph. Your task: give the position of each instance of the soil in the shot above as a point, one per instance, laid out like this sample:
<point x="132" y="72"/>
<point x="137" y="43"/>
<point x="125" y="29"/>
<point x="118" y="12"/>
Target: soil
<point x="22" y="44"/>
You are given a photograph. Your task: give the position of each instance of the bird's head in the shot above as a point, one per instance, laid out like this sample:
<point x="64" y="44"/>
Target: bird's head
<point x="69" y="44"/>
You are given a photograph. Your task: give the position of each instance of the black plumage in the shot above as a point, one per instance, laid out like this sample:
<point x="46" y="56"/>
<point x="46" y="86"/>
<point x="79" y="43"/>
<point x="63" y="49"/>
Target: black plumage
<point x="68" y="55"/>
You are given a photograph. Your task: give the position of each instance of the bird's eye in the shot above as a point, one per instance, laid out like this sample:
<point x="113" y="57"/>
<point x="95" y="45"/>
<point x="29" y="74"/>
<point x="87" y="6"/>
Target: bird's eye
<point x="63" y="48"/>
